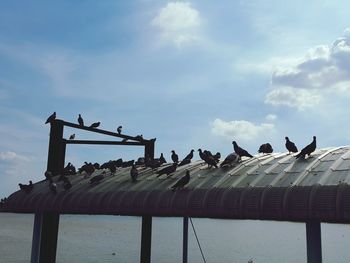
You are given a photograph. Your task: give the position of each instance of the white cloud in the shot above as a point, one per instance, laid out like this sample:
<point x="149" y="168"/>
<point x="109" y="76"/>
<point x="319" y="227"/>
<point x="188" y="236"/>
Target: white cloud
<point x="324" y="71"/>
<point x="271" y="117"/>
<point x="241" y="130"/>
<point x="178" y="23"/>
<point x="12" y="156"/>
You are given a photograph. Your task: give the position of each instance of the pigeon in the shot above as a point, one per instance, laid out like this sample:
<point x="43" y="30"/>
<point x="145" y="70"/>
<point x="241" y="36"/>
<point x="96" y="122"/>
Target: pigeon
<point x="217" y="157"/>
<point x="95" y="124"/>
<point x="291" y="146"/>
<point x="265" y="148"/>
<point x="119" y="129"/>
<point x="134" y="173"/>
<point x="208" y="158"/>
<point x="162" y="159"/>
<point x="52" y="186"/>
<point x="202" y="155"/>
<point x="97" y="178"/>
<point x="26" y="187"/>
<point x="167" y="170"/>
<point x="139" y="137"/>
<point x="174" y="157"/>
<point x="190" y="155"/>
<point x="72" y="137"/>
<point x="184" y="162"/>
<point x="80" y="120"/>
<point x="51" y="118"/>
<point x="241" y="152"/>
<point x="182" y="181"/>
<point x="307" y="150"/>
<point x="231" y="159"/>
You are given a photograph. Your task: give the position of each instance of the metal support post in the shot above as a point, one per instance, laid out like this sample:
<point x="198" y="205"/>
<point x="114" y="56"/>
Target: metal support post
<point x="149" y="150"/>
<point x="38" y="219"/>
<point x="313" y="242"/>
<point x="185" y="240"/>
<point x="57" y="148"/>
<point x="146" y="239"/>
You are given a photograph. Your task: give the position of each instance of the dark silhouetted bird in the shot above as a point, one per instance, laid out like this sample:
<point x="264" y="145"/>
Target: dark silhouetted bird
<point x="291" y="146"/>
<point x="190" y="155"/>
<point x="217" y="157"/>
<point x="187" y="159"/>
<point x="240" y="151"/>
<point x="72" y="137"/>
<point x="97" y="178"/>
<point x="51" y="118"/>
<point x="52" y="186"/>
<point x="174" y="157"/>
<point x="265" y="148"/>
<point x="167" y="170"/>
<point x="182" y="181"/>
<point x="162" y="159"/>
<point x="119" y="129"/>
<point x="95" y="124"/>
<point x="80" y="120"/>
<point x="207" y="157"/>
<point x="231" y="159"/>
<point x="134" y="173"/>
<point x="26" y="187"/>
<point x="307" y="150"/>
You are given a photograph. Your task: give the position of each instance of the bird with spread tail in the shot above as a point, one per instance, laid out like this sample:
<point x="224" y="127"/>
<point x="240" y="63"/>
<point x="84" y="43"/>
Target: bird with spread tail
<point x="307" y="150"/>
<point x="182" y="181"/>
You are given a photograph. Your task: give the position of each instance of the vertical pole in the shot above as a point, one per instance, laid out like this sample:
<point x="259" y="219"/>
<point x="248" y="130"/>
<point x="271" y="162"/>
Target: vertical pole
<point x="57" y="148"/>
<point x="48" y="239"/>
<point x="146" y="238"/>
<point x="185" y="240"/>
<point x="149" y="150"/>
<point x="36" y="238"/>
<point x="313" y="242"/>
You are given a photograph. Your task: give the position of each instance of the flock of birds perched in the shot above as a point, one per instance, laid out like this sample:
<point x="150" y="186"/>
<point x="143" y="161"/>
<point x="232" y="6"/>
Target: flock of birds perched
<point x="212" y="160"/>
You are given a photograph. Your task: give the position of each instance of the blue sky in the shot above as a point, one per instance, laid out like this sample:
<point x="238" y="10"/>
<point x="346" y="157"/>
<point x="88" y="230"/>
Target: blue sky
<point x="191" y="73"/>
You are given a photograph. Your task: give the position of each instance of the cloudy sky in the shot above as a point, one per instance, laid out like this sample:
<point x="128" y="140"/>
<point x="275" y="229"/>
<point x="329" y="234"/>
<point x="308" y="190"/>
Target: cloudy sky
<point x="190" y="73"/>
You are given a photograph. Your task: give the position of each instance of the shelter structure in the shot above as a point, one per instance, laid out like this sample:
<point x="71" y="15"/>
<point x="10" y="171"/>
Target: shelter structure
<point x="265" y="187"/>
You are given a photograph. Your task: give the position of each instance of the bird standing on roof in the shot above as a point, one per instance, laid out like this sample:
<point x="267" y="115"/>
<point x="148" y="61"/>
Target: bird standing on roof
<point x="119" y="129"/>
<point x="182" y="182"/>
<point x="162" y="159"/>
<point x="72" y="137"/>
<point x="51" y="118"/>
<point x="187" y="159"/>
<point x="95" y="124"/>
<point x="240" y="151"/>
<point x="26" y="187"/>
<point x="134" y="173"/>
<point x="52" y="186"/>
<point x="80" y="120"/>
<point x="167" y="170"/>
<point x="265" y="148"/>
<point x="291" y="146"/>
<point x="174" y="157"/>
<point x="307" y="150"/>
<point x="231" y="159"/>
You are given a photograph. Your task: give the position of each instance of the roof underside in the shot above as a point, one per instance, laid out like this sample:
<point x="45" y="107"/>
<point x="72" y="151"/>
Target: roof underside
<point x="272" y="187"/>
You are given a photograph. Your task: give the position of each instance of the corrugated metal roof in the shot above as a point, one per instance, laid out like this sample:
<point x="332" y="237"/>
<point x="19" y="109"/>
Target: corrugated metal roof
<point x="272" y="186"/>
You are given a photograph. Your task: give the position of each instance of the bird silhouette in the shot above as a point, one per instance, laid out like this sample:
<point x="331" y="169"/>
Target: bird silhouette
<point x="26" y="187"/>
<point x="167" y="170"/>
<point x="217" y="157"/>
<point x="190" y="155"/>
<point x="182" y="181"/>
<point x="97" y="178"/>
<point x="119" y="129"/>
<point x="80" y="120"/>
<point x="307" y="150"/>
<point x="231" y="159"/>
<point x="187" y="159"/>
<point x="162" y="159"/>
<point x="290" y="146"/>
<point x="95" y="124"/>
<point x="240" y="151"/>
<point x="51" y="118"/>
<point x="265" y="148"/>
<point x="52" y="186"/>
<point x="202" y="155"/>
<point x="174" y="157"/>
<point x="134" y="173"/>
<point x="72" y="137"/>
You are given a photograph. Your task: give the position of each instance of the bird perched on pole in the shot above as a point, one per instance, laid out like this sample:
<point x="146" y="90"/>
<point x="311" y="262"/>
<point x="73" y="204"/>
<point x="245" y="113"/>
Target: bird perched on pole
<point x="307" y="150"/>
<point x="119" y="129"/>
<point x="72" y="137"/>
<point x="51" y="118"/>
<point x="174" y="157"/>
<point x="182" y="181"/>
<point x="95" y="124"/>
<point x="291" y="146"/>
<point x="80" y="120"/>
<point x="265" y="148"/>
<point x="240" y="151"/>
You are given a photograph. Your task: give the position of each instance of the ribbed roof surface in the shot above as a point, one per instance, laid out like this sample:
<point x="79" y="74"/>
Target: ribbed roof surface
<point x="274" y="186"/>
